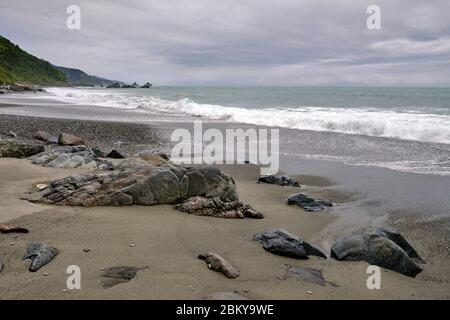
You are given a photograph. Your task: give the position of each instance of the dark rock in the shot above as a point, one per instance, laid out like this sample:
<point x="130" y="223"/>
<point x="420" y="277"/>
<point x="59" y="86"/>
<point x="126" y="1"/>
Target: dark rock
<point x="18" y="149"/>
<point x="65" y="139"/>
<point x="114" y="85"/>
<point x="114" y="154"/>
<point x="147" y="85"/>
<point x="215" y="207"/>
<point x="105" y="165"/>
<point x="378" y="246"/>
<point x="308" y="203"/>
<point x="40" y="254"/>
<point x="282" y="181"/>
<point x="11" y="228"/>
<point x="284" y="243"/>
<point x="219" y="264"/>
<point x="142" y="186"/>
<point x="99" y="153"/>
<point x="2" y="265"/>
<point x="44" y="136"/>
<point x="117" y="275"/>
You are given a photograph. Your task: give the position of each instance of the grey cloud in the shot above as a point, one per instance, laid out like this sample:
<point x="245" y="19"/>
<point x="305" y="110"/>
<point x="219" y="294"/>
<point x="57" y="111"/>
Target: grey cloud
<point x="287" y="42"/>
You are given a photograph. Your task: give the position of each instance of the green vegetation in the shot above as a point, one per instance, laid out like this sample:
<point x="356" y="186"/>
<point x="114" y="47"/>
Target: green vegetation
<point x="17" y="65"/>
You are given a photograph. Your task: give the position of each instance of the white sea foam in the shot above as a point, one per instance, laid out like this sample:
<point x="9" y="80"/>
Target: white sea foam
<point x="412" y="125"/>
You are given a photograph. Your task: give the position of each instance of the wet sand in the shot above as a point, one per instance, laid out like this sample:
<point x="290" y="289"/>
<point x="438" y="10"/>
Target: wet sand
<point x="168" y="241"/>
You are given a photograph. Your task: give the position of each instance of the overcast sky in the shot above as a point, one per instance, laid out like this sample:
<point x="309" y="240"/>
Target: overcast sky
<point x="237" y="42"/>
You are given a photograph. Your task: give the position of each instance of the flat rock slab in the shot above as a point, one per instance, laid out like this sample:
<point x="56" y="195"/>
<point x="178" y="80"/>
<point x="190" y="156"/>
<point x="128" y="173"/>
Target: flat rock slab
<point x="225" y="296"/>
<point x="281" y="181"/>
<point x="16" y="149"/>
<point x="65" y="139"/>
<point x="118" y="275"/>
<point x="378" y="246"/>
<point x="149" y="185"/>
<point x="219" y="264"/>
<point x="309" y="275"/>
<point x="40" y="254"/>
<point x="284" y="243"/>
<point x="308" y="203"/>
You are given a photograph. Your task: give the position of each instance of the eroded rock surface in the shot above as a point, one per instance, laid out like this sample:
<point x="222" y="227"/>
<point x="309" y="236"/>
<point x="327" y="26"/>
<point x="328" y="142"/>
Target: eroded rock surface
<point x="381" y="247"/>
<point x="215" y="207"/>
<point x="149" y="185"/>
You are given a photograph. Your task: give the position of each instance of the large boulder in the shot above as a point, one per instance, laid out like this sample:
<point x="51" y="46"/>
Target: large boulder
<point x="11" y="148"/>
<point x="381" y="247"/>
<point x="284" y="243"/>
<point x="149" y="185"/>
<point x="65" y="139"/>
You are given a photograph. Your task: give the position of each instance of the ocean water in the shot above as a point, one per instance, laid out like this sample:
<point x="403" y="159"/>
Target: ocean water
<point x="404" y="129"/>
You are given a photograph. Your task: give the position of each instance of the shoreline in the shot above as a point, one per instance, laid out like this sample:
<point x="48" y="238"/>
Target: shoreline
<point x="168" y="241"/>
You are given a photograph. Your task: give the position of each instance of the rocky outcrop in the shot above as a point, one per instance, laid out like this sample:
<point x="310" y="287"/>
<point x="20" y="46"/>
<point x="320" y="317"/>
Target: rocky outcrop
<point x="70" y="157"/>
<point x="147" y="85"/>
<point x="11" y="148"/>
<point x="65" y="139"/>
<point x="219" y="264"/>
<point x="149" y="185"/>
<point x="114" y="85"/>
<point x="281" y="181"/>
<point x="381" y="247"/>
<point x="308" y="203"/>
<point x="284" y="243"/>
<point x="215" y="207"/>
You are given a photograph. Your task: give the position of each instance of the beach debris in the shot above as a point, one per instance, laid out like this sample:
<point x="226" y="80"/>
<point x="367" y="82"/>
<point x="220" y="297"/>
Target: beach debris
<point x="378" y="246"/>
<point x="219" y="264"/>
<point x="45" y="274"/>
<point x="225" y="296"/>
<point x="12" y="244"/>
<point x="151" y="185"/>
<point x="40" y="254"/>
<point x="307" y="274"/>
<point x="115" y="154"/>
<point x="308" y="203"/>
<point x="215" y="207"/>
<point x="41" y="186"/>
<point x="86" y="250"/>
<point x="282" y="181"/>
<point x="132" y="245"/>
<point x="12" y="228"/>
<point x="11" y="134"/>
<point x="11" y="148"/>
<point x="309" y="292"/>
<point x="117" y="275"/>
<point x="284" y="243"/>
<point x="65" y="139"/>
<point x="44" y="136"/>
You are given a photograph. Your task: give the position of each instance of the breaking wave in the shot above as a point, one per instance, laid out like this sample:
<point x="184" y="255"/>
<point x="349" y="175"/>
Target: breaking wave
<point x="406" y="125"/>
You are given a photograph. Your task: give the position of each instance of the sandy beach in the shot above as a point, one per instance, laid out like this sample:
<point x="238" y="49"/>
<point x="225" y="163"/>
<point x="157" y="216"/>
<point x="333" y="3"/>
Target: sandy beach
<point x="168" y="241"/>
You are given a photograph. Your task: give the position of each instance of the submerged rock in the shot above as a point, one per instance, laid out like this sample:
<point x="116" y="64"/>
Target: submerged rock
<point x="117" y="275"/>
<point x="284" y="243"/>
<point x="11" y="148"/>
<point x="215" y="207"/>
<point x="219" y="264"/>
<point x="65" y="139"/>
<point x="282" y="181"/>
<point x="378" y="246"/>
<point x="308" y="203"/>
<point x="149" y="185"/>
<point x="40" y="254"/>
